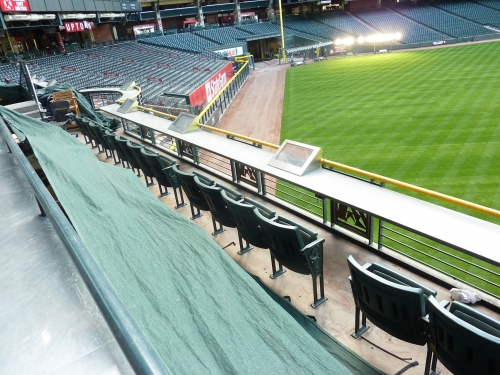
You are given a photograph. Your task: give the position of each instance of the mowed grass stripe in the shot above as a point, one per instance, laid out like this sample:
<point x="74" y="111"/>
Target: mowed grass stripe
<point x="428" y="117"/>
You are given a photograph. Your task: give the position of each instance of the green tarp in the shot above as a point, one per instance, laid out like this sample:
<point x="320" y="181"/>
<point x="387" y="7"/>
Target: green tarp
<point x="201" y="312"/>
<point x="85" y="107"/>
<point x="13" y="93"/>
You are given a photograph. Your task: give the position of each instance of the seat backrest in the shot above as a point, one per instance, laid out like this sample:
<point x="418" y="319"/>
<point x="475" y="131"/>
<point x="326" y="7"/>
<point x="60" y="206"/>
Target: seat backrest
<point x="462" y="347"/>
<point x="122" y="143"/>
<point x="81" y="126"/>
<point x="193" y="192"/>
<point x="99" y="134"/>
<point x="248" y="226"/>
<point x="397" y="309"/>
<point x="216" y="204"/>
<point x="110" y="136"/>
<point x="135" y="148"/>
<point x="60" y="109"/>
<point x="161" y="167"/>
<point x="285" y="243"/>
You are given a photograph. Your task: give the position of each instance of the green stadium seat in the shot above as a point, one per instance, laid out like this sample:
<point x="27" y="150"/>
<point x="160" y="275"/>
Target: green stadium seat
<point x="218" y="207"/>
<point x="127" y="153"/>
<point x="98" y="133"/>
<point x="246" y="222"/>
<point x="463" y="339"/>
<point x="118" y="154"/>
<point x="162" y="169"/>
<point x="389" y="300"/>
<point x="136" y="148"/>
<point x="297" y="248"/>
<point x="196" y="198"/>
<point x="83" y="129"/>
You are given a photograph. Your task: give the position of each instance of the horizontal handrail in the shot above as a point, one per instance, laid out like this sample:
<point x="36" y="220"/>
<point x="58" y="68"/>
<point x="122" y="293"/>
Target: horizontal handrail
<point x="239" y="136"/>
<point x="138" y="351"/>
<point x="414" y="188"/>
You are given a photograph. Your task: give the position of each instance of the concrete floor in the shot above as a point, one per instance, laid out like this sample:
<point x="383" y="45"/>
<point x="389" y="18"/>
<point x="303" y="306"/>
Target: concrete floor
<point x="337" y="314"/>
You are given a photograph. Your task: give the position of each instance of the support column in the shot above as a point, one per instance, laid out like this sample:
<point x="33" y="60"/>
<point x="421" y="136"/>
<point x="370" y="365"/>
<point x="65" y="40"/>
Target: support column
<point x="114" y="33"/>
<point x="237" y="12"/>
<point x="156" y="8"/>
<point x="201" y="19"/>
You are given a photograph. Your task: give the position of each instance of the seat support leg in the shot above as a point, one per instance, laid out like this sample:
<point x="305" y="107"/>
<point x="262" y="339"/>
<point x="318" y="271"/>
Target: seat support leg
<point x="217" y="230"/>
<point x="162" y="194"/>
<point x="245" y="249"/>
<point x="182" y="204"/>
<point x="115" y="157"/>
<point x="279" y="272"/>
<point x="322" y="297"/>
<point x="358" y="331"/>
<point x="195" y="216"/>
<point x="151" y="183"/>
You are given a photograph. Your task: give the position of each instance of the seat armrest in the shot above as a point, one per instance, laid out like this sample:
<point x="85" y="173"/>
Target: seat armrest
<point x="166" y="160"/>
<point x="265" y="211"/>
<point x="444" y="303"/>
<point x="389" y="274"/>
<point x="312" y="235"/>
<point x="314" y="243"/>
<point x="206" y="180"/>
<point x="233" y="194"/>
<point x="477" y="319"/>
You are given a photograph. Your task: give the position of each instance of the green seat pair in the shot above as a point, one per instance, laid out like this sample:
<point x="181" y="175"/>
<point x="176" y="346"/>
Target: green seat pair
<point x="206" y="195"/>
<point x="463" y="339"/>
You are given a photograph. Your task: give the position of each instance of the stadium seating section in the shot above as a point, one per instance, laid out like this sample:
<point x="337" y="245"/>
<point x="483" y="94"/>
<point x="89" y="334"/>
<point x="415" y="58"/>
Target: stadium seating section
<point x="167" y="70"/>
<point x="444" y="22"/>
<point x="180" y="62"/>
<point x="347" y="23"/>
<point x="473" y="12"/>
<point x="388" y="21"/>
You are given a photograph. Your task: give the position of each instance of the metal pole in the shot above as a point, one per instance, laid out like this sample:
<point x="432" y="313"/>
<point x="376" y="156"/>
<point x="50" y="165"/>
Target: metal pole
<point x="282" y="33"/>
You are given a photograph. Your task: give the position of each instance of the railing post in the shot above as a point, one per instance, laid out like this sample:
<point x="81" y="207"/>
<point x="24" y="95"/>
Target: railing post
<point x="194" y="150"/>
<point x="325" y="210"/>
<point x="178" y="147"/>
<point x="380" y="233"/>
<point x="234" y="172"/>
<point x="263" y="180"/>
<point x="259" y="181"/>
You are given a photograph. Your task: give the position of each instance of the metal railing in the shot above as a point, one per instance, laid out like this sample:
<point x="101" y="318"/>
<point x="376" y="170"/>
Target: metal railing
<point x="138" y="351"/>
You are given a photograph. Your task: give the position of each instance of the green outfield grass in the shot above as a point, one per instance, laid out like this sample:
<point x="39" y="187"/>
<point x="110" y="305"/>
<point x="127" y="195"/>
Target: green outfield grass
<point x="429" y="117"/>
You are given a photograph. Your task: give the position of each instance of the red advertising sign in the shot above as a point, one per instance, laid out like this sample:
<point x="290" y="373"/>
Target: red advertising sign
<point x="206" y="92"/>
<point x="77" y="26"/>
<point x="15" y="5"/>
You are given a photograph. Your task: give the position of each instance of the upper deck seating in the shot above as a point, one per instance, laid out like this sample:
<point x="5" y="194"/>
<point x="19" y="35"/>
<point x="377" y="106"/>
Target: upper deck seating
<point x="315" y="28"/>
<point x="489" y="3"/>
<point x="225" y="35"/>
<point x="184" y="42"/>
<point x="442" y="21"/>
<point x="296" y="247"/>
<point x="474" y="12"/>
<point x="389" y="22"/>
<point x="346" y="23"/>
<point x="155" y="69"/>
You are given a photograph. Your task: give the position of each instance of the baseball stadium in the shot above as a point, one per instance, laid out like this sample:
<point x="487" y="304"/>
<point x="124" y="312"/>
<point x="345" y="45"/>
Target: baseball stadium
<point x="244" y="187"/>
